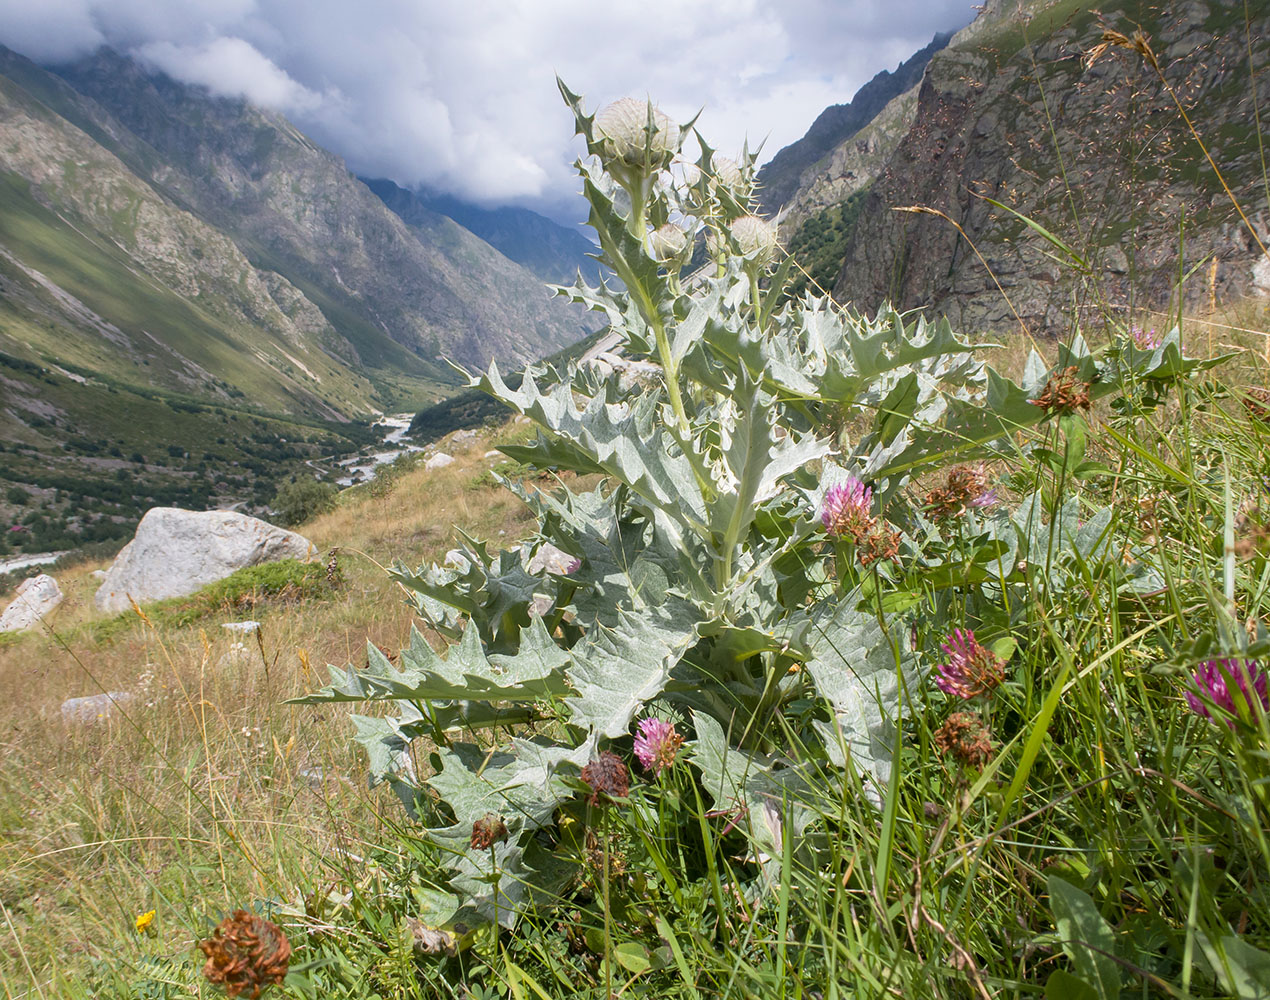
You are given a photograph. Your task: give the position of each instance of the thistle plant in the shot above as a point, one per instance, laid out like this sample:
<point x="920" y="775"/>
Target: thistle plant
<point x="710" y="579"/>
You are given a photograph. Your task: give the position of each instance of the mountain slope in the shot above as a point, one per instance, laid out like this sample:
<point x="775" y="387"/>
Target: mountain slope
<point x="545" y="248"/>
<point x="782" y="177"/>
<point x="294" y="208"/>
<point x="1098" y="155"/>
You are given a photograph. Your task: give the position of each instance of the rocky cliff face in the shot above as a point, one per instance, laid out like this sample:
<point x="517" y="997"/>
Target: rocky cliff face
<point x="787" y="176"/>
<point x="1097" y="154"/>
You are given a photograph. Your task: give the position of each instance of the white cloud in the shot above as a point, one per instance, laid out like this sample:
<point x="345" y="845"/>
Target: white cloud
<point x="230" y="67"/>
<point x="462" y="96"/>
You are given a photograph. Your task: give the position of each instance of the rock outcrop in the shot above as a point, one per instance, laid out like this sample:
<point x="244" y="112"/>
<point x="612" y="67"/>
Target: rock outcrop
<point x="1093" y="149"/>
<point x="175" y="552"/>
<point x="34" y="599"/>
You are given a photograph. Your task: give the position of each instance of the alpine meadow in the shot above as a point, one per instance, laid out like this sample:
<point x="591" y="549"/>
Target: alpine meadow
<point x="869" y="598"/>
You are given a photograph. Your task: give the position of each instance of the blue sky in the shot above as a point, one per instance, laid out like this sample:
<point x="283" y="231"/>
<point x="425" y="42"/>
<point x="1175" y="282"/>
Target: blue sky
<point x="461" y="96"/>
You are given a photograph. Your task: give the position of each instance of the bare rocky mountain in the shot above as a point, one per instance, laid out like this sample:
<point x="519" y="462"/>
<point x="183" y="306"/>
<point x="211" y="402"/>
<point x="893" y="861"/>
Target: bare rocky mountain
<point x="1097" y="154"/>
<point x="544" y="247"/>
<point x="1095" y="151"/>
<point x="785" y="178"/>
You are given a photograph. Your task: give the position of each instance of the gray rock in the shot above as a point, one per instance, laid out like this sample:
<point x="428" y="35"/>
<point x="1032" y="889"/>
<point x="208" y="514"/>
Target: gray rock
<point x="552" y="560"/>
<point x="438" y="461"/>
<point x="94" y="707"/>
<point x="246" y="628"/>
<point x="34" y="599"/>
<point x="175" y="552"/>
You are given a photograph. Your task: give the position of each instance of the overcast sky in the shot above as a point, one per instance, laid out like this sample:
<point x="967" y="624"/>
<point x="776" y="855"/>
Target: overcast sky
<point x="461" y="95"/>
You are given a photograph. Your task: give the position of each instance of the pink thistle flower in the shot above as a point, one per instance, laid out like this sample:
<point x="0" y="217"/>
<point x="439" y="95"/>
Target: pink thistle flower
<point x="1212" y="683"/>
<point x="845" y="509"/>
<point x="657" y="745"/>
<point x="971" y="669"/>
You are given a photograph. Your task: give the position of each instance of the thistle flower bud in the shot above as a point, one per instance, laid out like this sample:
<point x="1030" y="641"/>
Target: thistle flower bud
<point x="727" y="173"/>
<point x="628" y="139"/>
<point x="755" y="238"/>
<point x="668" y="242"/>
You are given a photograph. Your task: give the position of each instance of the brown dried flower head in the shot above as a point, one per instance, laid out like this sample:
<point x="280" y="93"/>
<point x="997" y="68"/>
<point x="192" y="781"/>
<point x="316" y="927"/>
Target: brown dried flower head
<point x="966" y="738"/>
<point x="245" y="954"/>
<point x="879" y="542"/>
<point x="1065" y="392"/>
<point x="487" y="831"/>
<point x="967" y="486"/>
<point x="1257" y="402"/>
<point x="606" y="775"/>
<point x="1138" y="42"/>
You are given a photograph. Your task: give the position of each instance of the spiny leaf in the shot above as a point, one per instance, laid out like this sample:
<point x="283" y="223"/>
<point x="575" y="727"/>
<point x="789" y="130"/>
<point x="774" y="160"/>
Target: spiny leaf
<point x="616" y="671"/>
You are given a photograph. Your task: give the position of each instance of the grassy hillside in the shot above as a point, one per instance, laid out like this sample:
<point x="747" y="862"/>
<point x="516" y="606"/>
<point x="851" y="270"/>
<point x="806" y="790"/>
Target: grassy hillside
<point x="218" y="795"/>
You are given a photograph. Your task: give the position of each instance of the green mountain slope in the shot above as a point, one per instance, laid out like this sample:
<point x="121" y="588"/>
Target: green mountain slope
<point x="177" y="270"/>
<point x="295" y="208"/>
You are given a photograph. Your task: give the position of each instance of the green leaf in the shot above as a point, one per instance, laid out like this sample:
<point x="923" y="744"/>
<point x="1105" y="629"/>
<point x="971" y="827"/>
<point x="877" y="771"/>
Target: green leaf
<point x="852" y="661"/>
<point x="616" y="671"/>
<point x="633" y="957"/>
<point x="535" y="671"/>
<point x="1086" y="937"/>
<point x="1062" y="985"/>
<point x="1244" y="971"/>
<point x="760" y="798"/>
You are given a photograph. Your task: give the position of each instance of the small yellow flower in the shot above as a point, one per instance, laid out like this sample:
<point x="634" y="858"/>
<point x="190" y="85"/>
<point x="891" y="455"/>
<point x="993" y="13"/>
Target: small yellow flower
<point x="144" y="920"/>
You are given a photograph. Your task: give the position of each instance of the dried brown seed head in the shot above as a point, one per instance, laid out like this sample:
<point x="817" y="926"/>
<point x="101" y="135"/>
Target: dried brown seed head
<point x="245" y="954"/>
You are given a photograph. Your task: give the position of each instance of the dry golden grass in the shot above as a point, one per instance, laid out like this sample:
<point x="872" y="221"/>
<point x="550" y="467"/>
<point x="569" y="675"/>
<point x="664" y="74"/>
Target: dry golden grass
<point x="206" y="792"/>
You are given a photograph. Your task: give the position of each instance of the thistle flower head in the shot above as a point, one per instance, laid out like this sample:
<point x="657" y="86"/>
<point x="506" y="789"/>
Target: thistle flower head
<point x="727" y="171"/>
<point x="245" y="954"/>
<point x="635" y="135"/>
<point x="668" y="243"/>
<point x="845" y="508"/>
<point x="1217" y="681"/>
<point x="971" y="669"/>
<point x="657" y="744"/>
<point x="756" y="238"/>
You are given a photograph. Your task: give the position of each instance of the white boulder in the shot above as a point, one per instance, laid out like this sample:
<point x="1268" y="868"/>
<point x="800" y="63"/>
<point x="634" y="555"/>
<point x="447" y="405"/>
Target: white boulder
<point x="175" y="552"/>
<point x="438" y="461"/>
<point x="95" y="706"/>
<point x="35" y="598"/>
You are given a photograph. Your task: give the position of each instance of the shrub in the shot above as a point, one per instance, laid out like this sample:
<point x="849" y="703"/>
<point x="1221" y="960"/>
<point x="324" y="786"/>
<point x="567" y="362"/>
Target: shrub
<point x="302" y="500"/>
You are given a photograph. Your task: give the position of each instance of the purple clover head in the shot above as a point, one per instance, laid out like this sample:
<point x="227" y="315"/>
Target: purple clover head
<point x="971" y="669"/>
<point x="657" y="744"/>
<point x="845" y="507"/>
<point x="987" y="498"/>
<point x="1213" y="683"/>
<point x="1146" y="340"/>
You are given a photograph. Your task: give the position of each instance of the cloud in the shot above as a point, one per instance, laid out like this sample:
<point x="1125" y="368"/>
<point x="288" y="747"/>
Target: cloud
<point x="230" y="67"/>
<point x="462" y="96"/>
